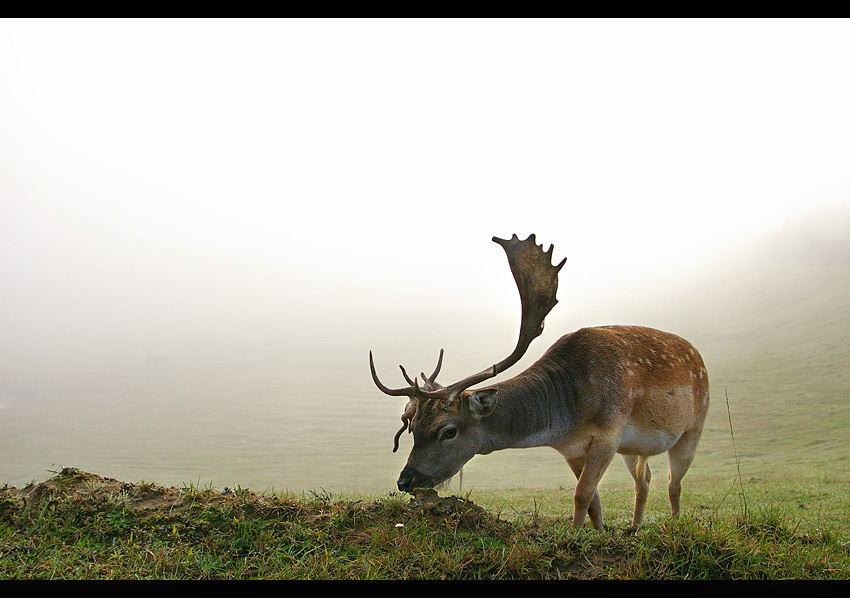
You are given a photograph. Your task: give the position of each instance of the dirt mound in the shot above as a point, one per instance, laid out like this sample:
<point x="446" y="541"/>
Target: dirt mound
<point x="71" y="484"/>
<point x="82" y="487"/>
<point x="455" y="508"/>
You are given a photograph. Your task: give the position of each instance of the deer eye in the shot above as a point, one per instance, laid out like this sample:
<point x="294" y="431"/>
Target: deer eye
<point x="448" y="434"/>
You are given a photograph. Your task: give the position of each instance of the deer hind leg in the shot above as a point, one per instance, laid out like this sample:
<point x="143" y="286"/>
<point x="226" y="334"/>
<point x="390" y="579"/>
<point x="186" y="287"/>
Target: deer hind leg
<point x="589" y="470"/>
<point x="681" y="455"/>
<point x="638" y="466"/>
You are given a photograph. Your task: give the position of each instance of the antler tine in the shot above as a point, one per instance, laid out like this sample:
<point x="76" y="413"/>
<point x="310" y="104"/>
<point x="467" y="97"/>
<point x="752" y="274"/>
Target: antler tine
<point x="433" y="376"/>
<point x="429" y="380"/>
<point x="393" y="392"/>
<point x="406" y="377"/>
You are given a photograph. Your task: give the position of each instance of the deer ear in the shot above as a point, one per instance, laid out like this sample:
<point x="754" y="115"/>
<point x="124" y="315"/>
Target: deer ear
<point x="482" y="402"/>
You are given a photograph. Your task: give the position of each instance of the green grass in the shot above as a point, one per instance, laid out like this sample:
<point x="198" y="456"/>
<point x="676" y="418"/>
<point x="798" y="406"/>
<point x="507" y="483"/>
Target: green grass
<point x="81" y="526"/>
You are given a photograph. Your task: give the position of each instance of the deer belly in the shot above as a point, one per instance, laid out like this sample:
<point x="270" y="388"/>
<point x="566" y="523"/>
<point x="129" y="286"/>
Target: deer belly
<point x="637" y="440"/>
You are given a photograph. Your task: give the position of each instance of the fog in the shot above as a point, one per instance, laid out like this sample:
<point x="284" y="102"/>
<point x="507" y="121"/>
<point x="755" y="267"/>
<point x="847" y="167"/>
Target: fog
<point x="197" y="212"/>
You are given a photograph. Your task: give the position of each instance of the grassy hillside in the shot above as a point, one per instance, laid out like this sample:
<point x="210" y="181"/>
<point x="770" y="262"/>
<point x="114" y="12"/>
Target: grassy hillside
<point x="780" y="348"/>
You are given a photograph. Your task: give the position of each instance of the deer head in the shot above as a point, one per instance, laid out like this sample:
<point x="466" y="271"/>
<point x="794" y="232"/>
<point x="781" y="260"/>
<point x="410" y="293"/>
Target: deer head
<point x="445" y="420"/>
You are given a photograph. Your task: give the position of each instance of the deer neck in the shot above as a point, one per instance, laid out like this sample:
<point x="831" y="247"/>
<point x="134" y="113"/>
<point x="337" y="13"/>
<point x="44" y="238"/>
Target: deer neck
<point x="528" y="414"/>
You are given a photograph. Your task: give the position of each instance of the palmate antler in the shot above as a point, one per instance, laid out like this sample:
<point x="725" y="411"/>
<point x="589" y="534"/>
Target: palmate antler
<point x="537" y="281"/>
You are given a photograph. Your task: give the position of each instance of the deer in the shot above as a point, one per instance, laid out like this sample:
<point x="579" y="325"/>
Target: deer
<point x="595" y="392"/>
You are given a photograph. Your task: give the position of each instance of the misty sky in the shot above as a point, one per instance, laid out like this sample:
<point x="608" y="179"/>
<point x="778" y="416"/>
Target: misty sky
<point x="212" y="177"/>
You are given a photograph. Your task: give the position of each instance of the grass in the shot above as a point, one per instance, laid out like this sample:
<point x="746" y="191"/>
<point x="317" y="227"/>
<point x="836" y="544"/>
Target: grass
<point x="77" y="525"/>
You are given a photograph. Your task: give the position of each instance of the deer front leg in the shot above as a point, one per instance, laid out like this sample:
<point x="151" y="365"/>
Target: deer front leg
<point x="595" y="462"/>
<point x="595" y="507"/>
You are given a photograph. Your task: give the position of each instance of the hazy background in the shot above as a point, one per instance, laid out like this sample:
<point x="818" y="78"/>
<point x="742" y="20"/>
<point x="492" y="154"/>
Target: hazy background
<point x="205" y="225"/>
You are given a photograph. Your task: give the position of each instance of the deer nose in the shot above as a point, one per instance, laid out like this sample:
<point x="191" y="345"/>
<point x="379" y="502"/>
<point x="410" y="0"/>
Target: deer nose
<point x="405" y="480"/>
<point x="410" y="479"/>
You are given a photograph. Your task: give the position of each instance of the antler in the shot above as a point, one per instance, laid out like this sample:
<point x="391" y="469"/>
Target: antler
<point x="430" y="382"/>
<point x="537" y="281"/>
<point x="410" y="408"/>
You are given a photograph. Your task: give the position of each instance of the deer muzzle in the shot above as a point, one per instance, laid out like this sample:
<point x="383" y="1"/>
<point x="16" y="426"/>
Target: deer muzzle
<point x="410" y="478"/>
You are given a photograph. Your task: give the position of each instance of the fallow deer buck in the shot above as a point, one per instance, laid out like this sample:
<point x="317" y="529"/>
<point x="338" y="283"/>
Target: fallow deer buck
<point x="596" y="392"/>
